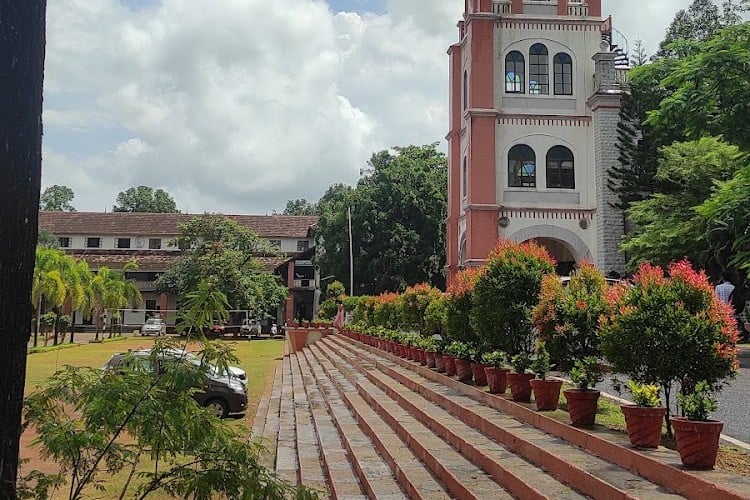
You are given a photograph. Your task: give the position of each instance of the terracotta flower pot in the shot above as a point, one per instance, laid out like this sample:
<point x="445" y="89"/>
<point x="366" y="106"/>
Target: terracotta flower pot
<point x="582" y="406"/>
<point x="520" y="388"/>
<point x="546" y="394"/>
<point x="430" y="359"/>
<point x="439" y="363"/>
<point x="697" y="442"/>
<point x="422" y="357"/>
<point x="644" y="424"/>
<point x="450" y="365"/>
<point x="480" y="378"/>
<point x="463" y="370"/>
<point x="497" y="379"/>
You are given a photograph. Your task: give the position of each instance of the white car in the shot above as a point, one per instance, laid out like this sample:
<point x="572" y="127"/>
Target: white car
<point x="154" y="326"/>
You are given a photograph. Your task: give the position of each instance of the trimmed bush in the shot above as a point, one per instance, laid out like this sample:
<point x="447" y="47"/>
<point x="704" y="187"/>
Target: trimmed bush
<point x="414" y="302"/>
<point x="505" y="294"/>
<point x="460" y="299"/>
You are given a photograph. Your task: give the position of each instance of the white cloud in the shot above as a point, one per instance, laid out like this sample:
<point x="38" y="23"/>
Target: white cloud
<point x="240" y="105"/>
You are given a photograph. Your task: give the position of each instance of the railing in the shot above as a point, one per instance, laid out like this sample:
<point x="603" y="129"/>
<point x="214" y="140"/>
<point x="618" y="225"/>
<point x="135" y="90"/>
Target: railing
<point x="621" y="76"/>
<point x="146" y="286"/>
<point x="501" y="7"/>
<point x="578" y="9"/>
<point x="304" y="284"/>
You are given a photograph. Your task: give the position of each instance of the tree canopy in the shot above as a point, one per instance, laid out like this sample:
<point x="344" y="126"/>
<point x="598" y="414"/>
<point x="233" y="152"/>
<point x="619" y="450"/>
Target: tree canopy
<point x="57" y="199"/>
<point x="217" y="250"/>
<point x="145" y="199"/>
<point x="398" y="210"/>
<point x="300" y="206"/>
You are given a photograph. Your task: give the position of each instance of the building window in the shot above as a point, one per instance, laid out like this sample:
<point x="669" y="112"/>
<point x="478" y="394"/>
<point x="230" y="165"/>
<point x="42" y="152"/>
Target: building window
<point x="560" y="168"/>
<point x="64" y="241"/>
<point x="154" y="243"/>
<point x="275" y="243"/>
<point x="302" y="245"/>
<point x="465" y="178"/>
<point x="466" y="90"/>
<point x="93" y="242"/>
<point x="462" y="252"/>
<point x="563" y="65"/>
<point x="515" y="73"/>
<point x="521" y="166"/>
<point x="538" y="69"/>
<point x="122" y="242"/>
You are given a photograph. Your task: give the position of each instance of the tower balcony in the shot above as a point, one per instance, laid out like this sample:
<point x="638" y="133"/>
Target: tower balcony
<point x="571" y="8"/>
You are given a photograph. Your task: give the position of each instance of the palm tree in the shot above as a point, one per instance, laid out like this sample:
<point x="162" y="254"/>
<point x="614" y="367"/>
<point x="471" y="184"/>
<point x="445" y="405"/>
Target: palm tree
<point x="112" y="291"/>
<point x="48" y="285"/>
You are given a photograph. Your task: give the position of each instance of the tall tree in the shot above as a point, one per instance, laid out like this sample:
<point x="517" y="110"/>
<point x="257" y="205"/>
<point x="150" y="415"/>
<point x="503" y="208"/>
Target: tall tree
<point x="300" y="206"/>
<point x="667" y="225"/>
<point x="145" y="199"/>
<point x="398" y="210"/>
<point x="221" y="252"/>
<point x="22" y="41"/>
<point x="57" y="199"/>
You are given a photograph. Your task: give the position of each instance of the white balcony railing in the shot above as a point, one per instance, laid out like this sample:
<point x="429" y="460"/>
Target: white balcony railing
<point x="578" y="9"/>
<point x="501" y="7"/>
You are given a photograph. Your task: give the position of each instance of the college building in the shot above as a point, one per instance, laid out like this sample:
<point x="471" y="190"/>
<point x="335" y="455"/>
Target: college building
<point x="114" y="239"/>
<point x="535" y="90"/>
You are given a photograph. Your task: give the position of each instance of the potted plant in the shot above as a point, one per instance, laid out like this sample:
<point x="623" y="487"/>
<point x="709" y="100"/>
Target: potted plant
<point x="429" y="346"/>
<point x="462" y="353"/>
<point x="697" y="436"/>
<point x="439" y="357"/>
<point x="477" y="368"/>
<point x="669" y="328"/>
<point x="583" y="401"/>
<point x="644" y="418"/>
<point x="546" y="392"/>
<point x="496" y="371"/>
<point x="518" y="380"/>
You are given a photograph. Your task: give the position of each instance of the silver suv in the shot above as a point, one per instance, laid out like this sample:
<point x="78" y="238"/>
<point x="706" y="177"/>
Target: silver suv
<point x="155" y="326"/>
<point x="221" y="393"/>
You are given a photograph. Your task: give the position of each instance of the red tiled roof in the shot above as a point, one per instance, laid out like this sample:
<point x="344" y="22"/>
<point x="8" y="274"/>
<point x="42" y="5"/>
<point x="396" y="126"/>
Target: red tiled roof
<point x="153" y="260"/>
<point x="135" y="223"/>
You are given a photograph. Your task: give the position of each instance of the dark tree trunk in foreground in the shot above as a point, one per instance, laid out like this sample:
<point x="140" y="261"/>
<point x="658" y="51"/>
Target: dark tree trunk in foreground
<point x="22" y="25"/>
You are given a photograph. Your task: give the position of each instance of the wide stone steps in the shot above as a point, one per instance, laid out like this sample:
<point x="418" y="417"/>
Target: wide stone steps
<point x="355" y="422"/>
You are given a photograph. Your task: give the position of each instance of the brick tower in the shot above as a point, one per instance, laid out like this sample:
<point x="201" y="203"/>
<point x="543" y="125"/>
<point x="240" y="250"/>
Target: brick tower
<point x="535" y="89"/>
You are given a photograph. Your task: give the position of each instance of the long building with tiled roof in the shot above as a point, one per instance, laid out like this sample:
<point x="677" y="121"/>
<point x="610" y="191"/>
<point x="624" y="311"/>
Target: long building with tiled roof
<point x="112" y="239"/>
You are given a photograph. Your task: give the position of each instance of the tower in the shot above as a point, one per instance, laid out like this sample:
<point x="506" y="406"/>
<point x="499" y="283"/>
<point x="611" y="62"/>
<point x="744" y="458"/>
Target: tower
<point x="535" y="89"/>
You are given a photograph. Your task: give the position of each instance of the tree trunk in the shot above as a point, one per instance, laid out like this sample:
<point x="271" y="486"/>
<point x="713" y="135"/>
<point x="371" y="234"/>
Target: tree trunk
<point x="72" y="325"/>
<point x="38" y="319"/>
<point x="22" y="32"/>
<point x="56" y="327"/>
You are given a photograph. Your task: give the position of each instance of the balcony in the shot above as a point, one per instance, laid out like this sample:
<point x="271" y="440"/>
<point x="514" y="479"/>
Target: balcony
<point x="304" y="284"/>
<point x="578" y="9"/>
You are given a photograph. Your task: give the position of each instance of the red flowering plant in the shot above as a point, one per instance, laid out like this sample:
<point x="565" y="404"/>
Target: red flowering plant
<point x="387" y="311"/>
<point x="458" y="307"/>
<point x="415" y="301"/>
<point x="505" y="294"/>
<point x="670" y="330"/>
<point x="567" y="315"/>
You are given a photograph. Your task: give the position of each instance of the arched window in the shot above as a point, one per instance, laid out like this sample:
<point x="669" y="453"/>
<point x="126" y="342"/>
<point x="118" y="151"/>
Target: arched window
<point x="521" y="166"/>
<point x="560" y="168"/>
<point x="515" y="73"/>
<point x="465" y="178"/>
<point x="563" y="66"/>
<point x="538" y="69"/>
<point x="466" y="89"/>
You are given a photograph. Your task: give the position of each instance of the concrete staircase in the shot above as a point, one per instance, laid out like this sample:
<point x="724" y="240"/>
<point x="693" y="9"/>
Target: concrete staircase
<point x="355" y="422"/>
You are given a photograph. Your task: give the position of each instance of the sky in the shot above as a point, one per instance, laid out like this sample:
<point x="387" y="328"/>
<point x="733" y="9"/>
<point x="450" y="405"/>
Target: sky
<point x="236" y="106"/>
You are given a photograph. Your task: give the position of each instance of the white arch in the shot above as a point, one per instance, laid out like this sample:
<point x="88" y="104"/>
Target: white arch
<point x="578" y="248"/>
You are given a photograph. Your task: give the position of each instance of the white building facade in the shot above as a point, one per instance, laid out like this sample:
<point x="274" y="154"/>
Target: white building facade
<point x="535" y="98"/>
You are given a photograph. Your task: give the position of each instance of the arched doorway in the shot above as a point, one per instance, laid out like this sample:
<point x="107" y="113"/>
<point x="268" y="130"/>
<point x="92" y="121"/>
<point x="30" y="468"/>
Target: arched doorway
<point x="561" y="252"/>
<point x="564" y="245"/>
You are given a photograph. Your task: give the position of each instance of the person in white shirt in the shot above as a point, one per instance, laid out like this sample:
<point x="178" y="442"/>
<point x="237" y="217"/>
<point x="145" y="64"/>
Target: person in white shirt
<point x="725" y="288"/>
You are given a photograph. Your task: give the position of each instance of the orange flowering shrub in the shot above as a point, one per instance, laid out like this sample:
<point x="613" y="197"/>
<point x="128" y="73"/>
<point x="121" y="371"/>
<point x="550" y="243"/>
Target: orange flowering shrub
<point x="670" y="328"/>
<point x="415" y="301"/>
<point x="506" y="292"/>
<point x="567" y="317"/>
<point x="387" y="310"/>
<point x="458" y="307"/>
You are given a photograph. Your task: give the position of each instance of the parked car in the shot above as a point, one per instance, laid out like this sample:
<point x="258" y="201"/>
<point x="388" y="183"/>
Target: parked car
<point x="217" y="329"/>
<point x="222" y="393"/>
<point x="154" y="326"/>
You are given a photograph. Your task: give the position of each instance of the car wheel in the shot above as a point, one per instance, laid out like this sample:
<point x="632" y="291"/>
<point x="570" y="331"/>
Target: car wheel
<point x="218" y="407"/>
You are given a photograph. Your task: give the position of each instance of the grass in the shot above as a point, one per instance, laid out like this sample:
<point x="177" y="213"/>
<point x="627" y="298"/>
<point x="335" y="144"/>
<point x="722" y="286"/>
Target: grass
<point x="257" y="358"/>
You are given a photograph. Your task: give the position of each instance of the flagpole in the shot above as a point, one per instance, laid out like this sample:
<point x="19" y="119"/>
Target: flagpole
<point x="351" y="254"/>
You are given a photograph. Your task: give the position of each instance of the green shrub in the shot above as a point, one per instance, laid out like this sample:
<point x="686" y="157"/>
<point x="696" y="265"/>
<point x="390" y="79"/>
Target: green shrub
<point x="414" y="303"/>
<point x="498" y="359"/>
<point x="520" y="362"/>
<point x="505" y="294"/>
<point x="460" y="350"/>
<point x="458" y="311"/>
<point x="586" y="373"/>
<point x="567" y="317"/>
<point x="436" y="316"/>
<point x="698" y="404"/>
<point x="328" y="309"/>
<point x="335" y="290"/>
<point x="541" y="364"/>
<point x="644" y="394"/>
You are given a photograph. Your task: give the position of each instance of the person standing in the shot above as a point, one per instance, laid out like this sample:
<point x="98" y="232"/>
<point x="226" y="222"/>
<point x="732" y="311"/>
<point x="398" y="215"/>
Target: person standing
<point x="725" y="288"/>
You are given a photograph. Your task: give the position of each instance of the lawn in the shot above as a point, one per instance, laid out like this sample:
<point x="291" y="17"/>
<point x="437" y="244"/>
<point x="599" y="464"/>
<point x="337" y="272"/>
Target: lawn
<point x="257" y="358"/>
